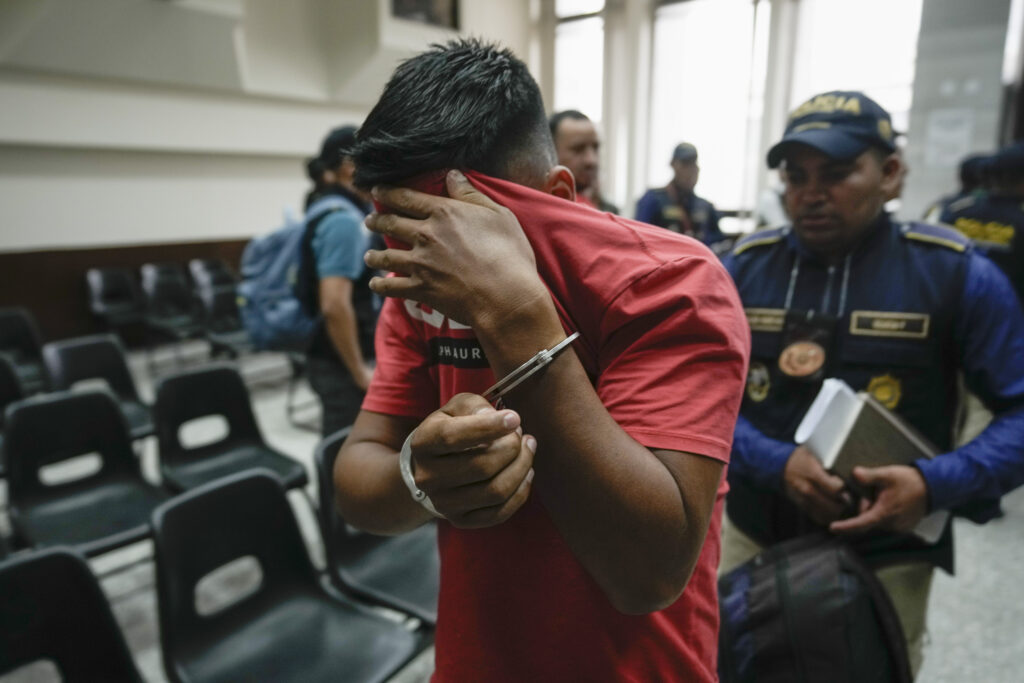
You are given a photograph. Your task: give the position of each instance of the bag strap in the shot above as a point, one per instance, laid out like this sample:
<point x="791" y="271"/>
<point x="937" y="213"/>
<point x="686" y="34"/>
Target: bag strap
<point x="885" y="610"/>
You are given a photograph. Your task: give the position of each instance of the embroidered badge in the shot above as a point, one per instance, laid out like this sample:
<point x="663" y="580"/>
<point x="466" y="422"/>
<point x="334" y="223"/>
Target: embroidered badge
<point x="887" y="390"/>
<point x="758" y="382"/>
<point x="802" y="358"/>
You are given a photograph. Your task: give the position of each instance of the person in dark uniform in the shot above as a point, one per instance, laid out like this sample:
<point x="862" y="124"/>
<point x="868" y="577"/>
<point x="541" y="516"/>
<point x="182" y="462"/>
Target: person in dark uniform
<point x="995" y="220"/>
<point x="894" y="309"/>
<point x="972" y="183"/>
<point x="332" y="286"/>
<point x="676" y="207"/>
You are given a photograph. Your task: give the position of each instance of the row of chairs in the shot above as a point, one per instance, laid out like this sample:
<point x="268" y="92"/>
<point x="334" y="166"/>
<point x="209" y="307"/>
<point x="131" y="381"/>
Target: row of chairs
<point x="105" y="510"/>
<point x="293" y="627"/>
<point x="168" y="306"/>
<point x="111" y="507"/>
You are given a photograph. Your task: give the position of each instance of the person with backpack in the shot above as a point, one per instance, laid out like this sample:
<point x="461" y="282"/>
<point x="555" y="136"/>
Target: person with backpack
<point x="894" y="309"/>
<point x="332" y="286"/>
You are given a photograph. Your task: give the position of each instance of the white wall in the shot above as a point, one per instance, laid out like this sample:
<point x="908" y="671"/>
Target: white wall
<point x="957" y="94"/>
<point x="147" y="121"/>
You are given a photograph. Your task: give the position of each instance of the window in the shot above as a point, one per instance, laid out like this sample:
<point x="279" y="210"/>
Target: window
<point x="575" y="8"/>
<point x="579" y="64"/>
<point x="847" y="45"/>
<point x="707" y="89"/>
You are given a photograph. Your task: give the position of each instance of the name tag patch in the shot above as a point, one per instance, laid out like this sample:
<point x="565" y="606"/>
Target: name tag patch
<point x="462" y="353"/>
<point x="766" y="319"/>
<point x="890" y="324"/>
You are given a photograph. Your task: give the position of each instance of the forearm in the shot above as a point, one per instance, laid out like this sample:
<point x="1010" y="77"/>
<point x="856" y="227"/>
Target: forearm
<point x="758" y="457"/>
<point x="988" y="467"/>
<point x="370" y="492"/>
<point x="618" y="506"/>
<point x="340" y="321"/>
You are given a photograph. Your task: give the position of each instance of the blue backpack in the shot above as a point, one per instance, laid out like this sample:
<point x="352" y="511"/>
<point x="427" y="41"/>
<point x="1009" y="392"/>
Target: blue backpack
<point x="272" y="314"/>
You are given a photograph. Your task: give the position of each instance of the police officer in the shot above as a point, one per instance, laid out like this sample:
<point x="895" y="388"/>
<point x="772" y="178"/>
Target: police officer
<point x="676" y="207"/>
<point x="893" y="309"/>
<point x="994" y="219"/>
<point x="972" y="182"/>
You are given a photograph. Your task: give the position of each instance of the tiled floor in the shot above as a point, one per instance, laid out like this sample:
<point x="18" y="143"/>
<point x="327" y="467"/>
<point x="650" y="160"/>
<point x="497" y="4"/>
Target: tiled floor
<point x="976" y="619"/>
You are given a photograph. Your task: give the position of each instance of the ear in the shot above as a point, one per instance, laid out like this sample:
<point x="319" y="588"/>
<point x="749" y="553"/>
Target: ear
<point x="560" y="183"/>
<point x="894" y="172"/>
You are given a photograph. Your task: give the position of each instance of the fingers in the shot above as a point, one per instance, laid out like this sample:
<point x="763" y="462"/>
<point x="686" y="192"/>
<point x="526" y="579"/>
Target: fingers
<point x="460" y="188"/>
<point x="402" y="200"/>
<point x="494" y="501"/>
<point x="393" y="260"/>
<point x="490" y="477"/>
<point x="401" y="228"/>
<point x="485" y="517"/>
<point x="865" y="521"/>
<point x="455" y="429"/>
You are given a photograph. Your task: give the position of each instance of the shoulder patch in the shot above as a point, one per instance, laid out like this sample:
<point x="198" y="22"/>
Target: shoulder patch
<point x="759" y="239"/>
<point x="962" y="203"/>
<point x="935" y="234"/>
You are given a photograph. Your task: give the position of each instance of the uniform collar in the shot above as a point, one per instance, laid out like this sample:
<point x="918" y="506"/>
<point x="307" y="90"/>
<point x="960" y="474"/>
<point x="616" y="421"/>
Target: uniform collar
<point x="874" y="235"/>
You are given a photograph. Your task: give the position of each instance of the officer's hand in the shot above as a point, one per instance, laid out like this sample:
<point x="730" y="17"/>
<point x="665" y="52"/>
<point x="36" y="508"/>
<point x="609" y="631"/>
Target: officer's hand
<point x="468" y="256"/>
<point x="473" y="461"/>
<point x="900" y="500"/>
<point x="815" y="491"/>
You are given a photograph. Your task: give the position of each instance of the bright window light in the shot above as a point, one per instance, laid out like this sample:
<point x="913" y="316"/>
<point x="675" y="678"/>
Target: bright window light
<point x="832" y="58"/>
<point x="574" y="8"/>
<point x="579" y="72"/>
<point x="704" y="54"/>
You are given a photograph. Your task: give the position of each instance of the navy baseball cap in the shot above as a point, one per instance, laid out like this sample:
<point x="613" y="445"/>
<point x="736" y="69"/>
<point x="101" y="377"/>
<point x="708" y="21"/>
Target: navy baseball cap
<point x="684" y="152"/>
<point x="1009" y="159"/>
<point x="839" y="124"/>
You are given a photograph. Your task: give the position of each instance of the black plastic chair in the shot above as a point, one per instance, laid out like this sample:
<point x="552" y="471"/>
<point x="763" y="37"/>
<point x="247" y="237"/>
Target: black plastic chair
<point x="224" y="328"/>
<point x="115" y="297"/>
<point x="98" y="512"/>
<point x="20" y="345"/>
<point x="214" y="390"/>
<point x="402" y="572"/>
<point x="100" y="357"/>
<point x="171" y="309"/>
<point x="10" y="392"/>
<point x="54" y="610"/>
<point x="210" y="273"/>
<point x="291" y="628"/>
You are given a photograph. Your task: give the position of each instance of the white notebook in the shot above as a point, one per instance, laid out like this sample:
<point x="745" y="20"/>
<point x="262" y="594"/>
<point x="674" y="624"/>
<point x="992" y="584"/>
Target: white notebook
<point x="845" y="429"/>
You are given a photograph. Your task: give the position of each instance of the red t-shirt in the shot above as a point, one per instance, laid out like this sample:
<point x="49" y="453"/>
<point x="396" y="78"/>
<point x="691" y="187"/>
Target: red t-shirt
<point x="665" y="342"/>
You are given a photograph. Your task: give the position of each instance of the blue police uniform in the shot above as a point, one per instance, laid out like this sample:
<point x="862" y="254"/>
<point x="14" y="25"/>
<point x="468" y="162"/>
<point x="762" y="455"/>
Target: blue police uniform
<point x="993" y="222"/>
<point x="912" y="305"/>
<point x="690" y="215"/>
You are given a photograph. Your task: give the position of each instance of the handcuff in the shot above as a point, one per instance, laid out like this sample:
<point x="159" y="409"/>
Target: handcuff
<point x="493" y="395"/>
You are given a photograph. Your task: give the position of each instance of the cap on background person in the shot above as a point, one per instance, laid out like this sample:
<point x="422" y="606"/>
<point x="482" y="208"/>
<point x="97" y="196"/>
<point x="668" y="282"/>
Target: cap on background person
<point x="684" y="152"/>
<point x="1009" y="159"/>
<point x="839" y="124"/>
<point x="336" y="145"/>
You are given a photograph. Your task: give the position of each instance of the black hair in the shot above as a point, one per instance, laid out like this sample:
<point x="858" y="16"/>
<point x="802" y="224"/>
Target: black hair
<point x="557" y="118"/>
<point x="465" y="104"/>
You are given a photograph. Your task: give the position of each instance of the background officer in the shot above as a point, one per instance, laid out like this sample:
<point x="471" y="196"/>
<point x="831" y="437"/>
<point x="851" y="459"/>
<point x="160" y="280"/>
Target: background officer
<point x="676" y="207"/>
<point x="994" y="219"/>
<point x="822" y="283"/>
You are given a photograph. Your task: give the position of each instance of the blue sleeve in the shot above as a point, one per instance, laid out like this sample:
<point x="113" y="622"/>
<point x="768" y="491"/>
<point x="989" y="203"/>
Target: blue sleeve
<point x="754" y="455"/>
<point x="758" y="457"/>
<point x="647" y="207"/>
<point x="339" y="246"/>
<point x="989" y="332"/>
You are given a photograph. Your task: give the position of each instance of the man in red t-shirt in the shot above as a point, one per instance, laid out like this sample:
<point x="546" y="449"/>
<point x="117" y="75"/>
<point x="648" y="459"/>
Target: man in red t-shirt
<point x="579" y="525"/>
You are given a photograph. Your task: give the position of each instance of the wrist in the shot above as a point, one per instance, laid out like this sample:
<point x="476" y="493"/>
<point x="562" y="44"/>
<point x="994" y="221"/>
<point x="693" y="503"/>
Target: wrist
<point x="515" y="335"/>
